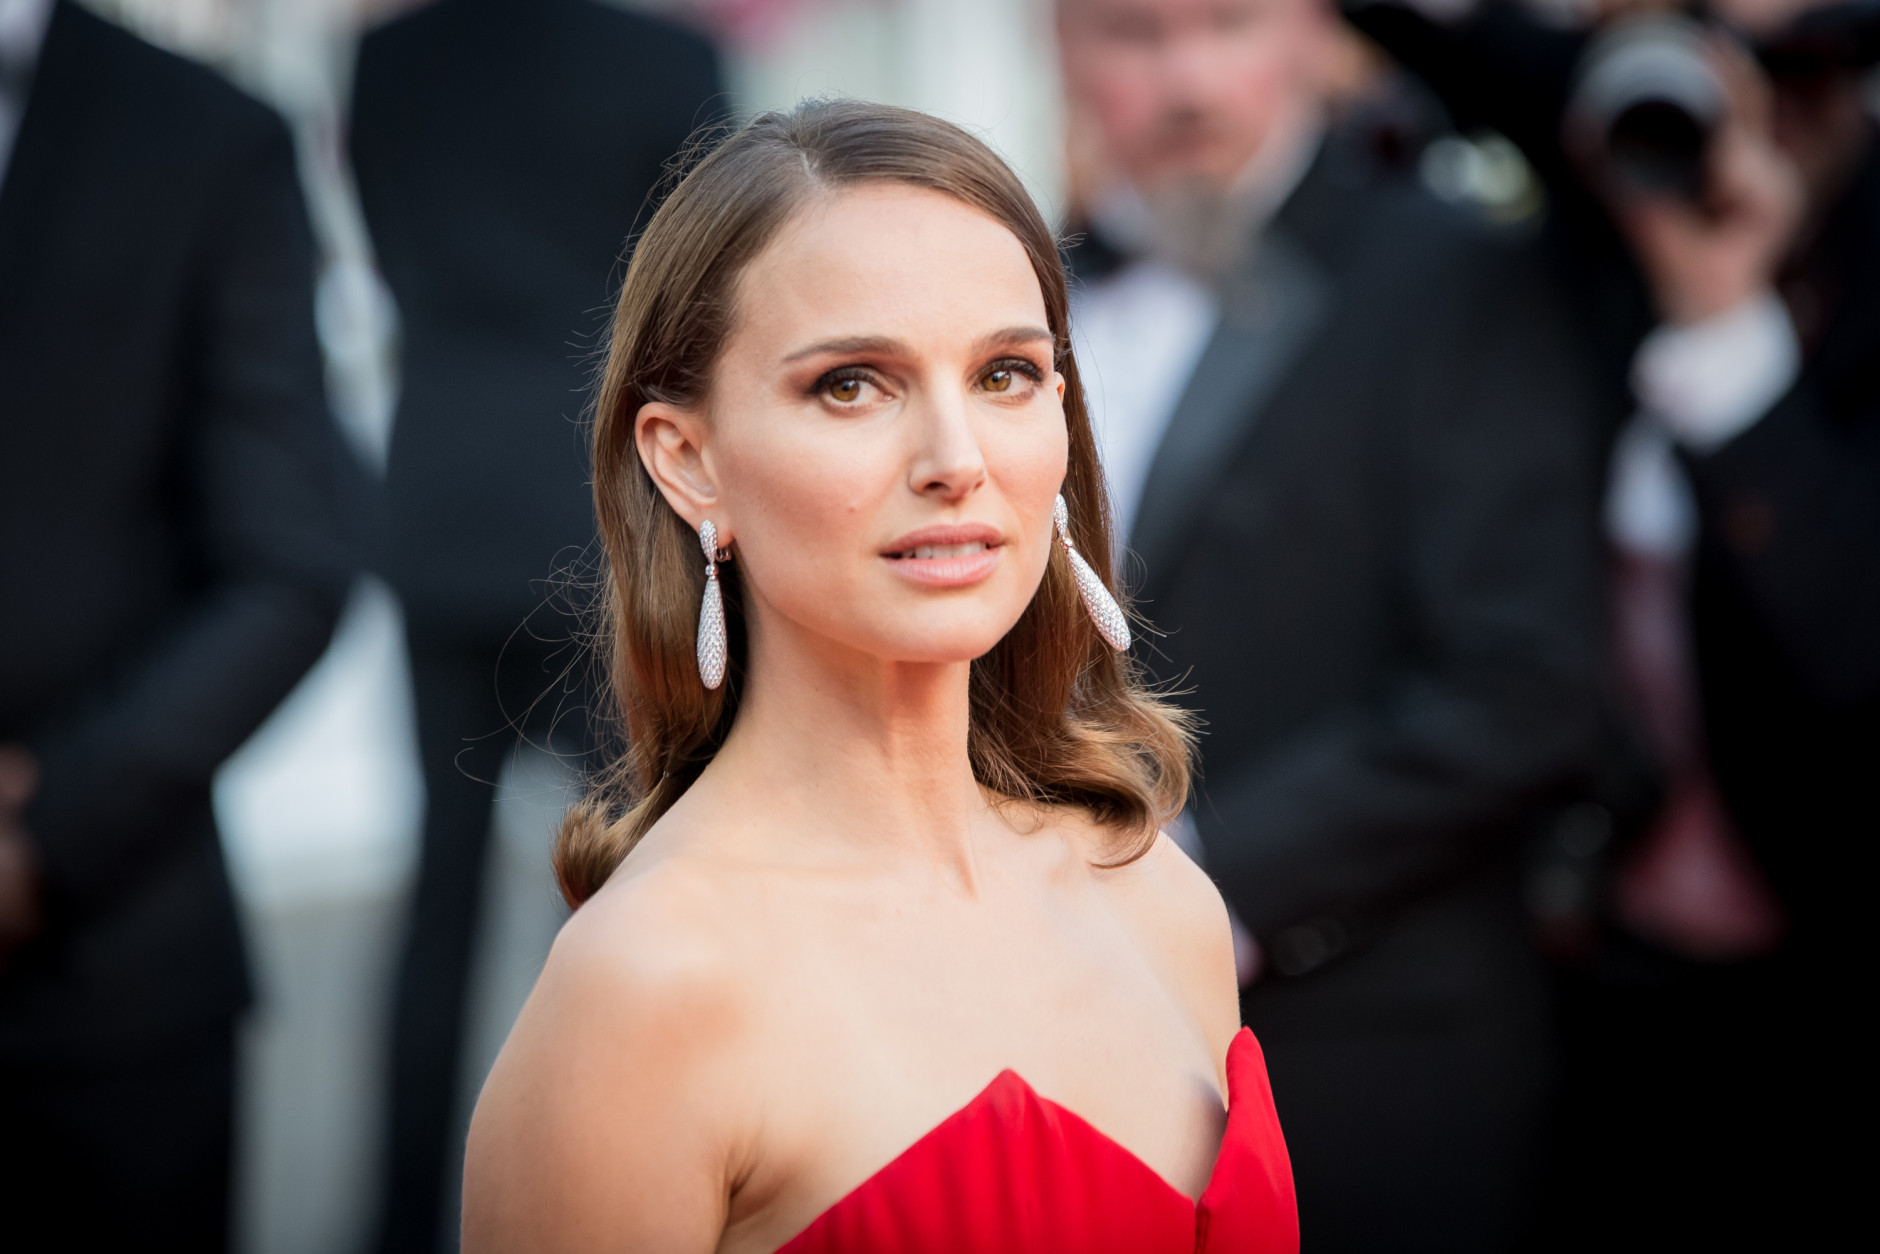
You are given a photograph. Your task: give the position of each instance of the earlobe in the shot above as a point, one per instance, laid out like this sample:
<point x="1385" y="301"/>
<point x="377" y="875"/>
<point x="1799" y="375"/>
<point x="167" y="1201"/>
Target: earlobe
<point x="671" y="444"/>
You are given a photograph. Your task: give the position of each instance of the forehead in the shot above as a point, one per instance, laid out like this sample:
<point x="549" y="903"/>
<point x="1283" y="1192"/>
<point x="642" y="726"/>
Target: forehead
<point x="887" y="259"/>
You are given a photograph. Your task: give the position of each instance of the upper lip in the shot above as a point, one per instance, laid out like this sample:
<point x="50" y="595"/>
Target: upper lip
<point x="944" y="534"/>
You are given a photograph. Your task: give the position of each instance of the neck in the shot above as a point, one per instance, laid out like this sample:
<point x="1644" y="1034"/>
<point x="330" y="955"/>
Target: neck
<point x="853" y="753"/>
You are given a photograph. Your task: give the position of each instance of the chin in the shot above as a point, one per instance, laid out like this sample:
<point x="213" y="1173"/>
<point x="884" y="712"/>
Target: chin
<point x="941" y="639"/>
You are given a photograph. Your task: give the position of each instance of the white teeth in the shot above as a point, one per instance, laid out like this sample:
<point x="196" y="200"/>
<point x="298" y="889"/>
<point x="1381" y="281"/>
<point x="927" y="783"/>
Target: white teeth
<point x="946" y="550"/>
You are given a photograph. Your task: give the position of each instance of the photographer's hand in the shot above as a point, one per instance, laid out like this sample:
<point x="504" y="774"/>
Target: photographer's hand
<point x="1705" y="260"/>
<point x="19" y="874"/>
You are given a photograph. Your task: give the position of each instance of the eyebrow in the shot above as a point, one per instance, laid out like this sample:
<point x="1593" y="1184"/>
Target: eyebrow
<point x="888" y="346"/>
<point x="850" y="344"/>
<point x="1015" y="335"/>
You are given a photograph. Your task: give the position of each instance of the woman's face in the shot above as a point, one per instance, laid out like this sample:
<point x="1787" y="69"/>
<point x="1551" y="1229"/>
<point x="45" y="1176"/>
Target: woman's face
<point x="885" y="432"/>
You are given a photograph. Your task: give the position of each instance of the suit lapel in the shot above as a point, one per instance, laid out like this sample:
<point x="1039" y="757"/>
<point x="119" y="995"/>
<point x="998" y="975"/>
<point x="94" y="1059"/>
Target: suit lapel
<point x="1269" y="315"/>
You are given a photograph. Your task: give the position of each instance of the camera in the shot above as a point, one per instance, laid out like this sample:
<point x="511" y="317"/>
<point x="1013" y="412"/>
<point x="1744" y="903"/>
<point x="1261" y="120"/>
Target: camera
<point x="1647" y="100"/>
<point x="1645" y="104"/>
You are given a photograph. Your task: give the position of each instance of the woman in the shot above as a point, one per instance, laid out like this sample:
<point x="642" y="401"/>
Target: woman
<point x="878" y="947"/>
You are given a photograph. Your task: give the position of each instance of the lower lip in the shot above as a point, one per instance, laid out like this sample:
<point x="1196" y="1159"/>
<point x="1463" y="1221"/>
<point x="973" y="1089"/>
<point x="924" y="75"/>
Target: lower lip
<point x="947" y="572"/>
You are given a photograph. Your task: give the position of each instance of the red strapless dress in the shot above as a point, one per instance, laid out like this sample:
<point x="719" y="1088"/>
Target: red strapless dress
<point x="1013" y="1173"/>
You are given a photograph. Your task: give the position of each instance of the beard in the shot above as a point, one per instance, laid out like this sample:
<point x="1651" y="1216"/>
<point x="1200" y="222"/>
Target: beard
<point x="1200" y="227"/>
<point x="1200" y="223"/>
<point x="1192" y="224"/>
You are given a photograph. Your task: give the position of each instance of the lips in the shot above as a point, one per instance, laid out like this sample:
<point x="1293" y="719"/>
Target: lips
<point x="948" y="556"/>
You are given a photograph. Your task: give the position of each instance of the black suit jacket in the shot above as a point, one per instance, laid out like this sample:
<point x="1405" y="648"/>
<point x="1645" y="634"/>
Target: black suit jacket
<point x="504" y="150"/>
<point x="1367" y="536"/>
<point x="1786" y="595"/>
<point x="169" y="561"/>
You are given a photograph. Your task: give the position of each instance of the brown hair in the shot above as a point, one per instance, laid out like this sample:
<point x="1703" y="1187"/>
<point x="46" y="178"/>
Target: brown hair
<point x="1058" y="718"/>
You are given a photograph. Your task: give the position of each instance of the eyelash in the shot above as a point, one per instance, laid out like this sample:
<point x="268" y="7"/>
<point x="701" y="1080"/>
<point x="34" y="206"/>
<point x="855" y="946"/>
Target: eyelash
<point x="1017" y="365"/>
<point x="841" y="374"/>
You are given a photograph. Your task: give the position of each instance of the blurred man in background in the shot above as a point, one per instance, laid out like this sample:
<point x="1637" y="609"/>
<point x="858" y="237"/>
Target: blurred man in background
<point x="1719" y="194"/>
<point x="169" y="567"/>
<point x="1344" y="429"/>
<point x="504" y="150"/>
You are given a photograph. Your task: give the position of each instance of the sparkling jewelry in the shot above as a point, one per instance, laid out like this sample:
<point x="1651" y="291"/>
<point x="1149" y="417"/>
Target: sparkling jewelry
<point x="711" y="614"/>
<point x="1104" y="611"/>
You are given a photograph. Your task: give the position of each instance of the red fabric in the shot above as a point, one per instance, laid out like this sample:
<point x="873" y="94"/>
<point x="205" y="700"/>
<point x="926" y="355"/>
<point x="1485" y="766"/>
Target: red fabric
<point x="1012" y="1173"/>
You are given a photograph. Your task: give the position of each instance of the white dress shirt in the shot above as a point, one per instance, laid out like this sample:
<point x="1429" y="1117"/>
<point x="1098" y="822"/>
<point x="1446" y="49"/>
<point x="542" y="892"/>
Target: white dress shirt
<point x="22" y="29"/>
<point x="1699" y="386"/>
<point x="1137" y="336"/>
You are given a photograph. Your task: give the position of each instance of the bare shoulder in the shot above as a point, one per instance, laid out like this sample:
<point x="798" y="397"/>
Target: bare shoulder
<point x="651" y="922"/>
<point x="613" y="1117"/>
<point x="1181" y="918"/>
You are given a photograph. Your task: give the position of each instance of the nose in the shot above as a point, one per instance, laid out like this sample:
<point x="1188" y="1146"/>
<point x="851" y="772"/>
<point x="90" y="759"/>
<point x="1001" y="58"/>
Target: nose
<point x="948" y="464"/>
<point x="1192" y="71"/>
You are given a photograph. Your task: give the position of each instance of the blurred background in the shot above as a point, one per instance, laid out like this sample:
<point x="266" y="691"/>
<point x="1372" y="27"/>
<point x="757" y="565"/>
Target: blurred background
<point x="322" y="812"/>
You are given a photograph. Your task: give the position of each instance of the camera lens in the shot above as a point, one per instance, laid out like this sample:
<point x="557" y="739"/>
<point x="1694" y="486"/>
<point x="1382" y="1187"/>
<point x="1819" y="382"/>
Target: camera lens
<point x="1658" y="146"/>
<point x="1645" y="106"/>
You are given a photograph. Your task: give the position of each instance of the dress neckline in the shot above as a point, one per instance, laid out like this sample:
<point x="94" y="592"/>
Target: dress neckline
<point x="1241" y="1053"/>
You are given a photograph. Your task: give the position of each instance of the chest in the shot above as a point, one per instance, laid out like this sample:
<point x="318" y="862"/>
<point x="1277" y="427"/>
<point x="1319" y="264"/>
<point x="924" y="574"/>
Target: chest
<point x="886" y="1024"/>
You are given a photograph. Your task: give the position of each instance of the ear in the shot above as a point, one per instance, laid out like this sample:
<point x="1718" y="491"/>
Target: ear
<point x="671" y="443"/>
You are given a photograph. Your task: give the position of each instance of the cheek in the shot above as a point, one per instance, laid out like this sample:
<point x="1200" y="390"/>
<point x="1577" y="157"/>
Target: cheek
<point x="1028" y="462"/>
<point x="801" y="501"/>
<point x="1292" y="62"/>
<point x="1124" y="97"/>
<point x="1255" y="73"/>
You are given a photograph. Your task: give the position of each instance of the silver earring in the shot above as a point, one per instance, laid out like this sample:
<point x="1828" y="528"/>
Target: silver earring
<point x="1104" y="611"/>
<point x="711" y="614"/>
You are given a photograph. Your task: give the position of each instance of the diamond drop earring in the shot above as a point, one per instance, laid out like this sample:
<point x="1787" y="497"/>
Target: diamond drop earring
<point x="1104" y="611"/>
<point x="711" y="613"/>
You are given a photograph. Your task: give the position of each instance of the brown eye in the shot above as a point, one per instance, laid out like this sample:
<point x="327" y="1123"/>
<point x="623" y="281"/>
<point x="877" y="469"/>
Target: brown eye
<point x="846" y="390"/>
<point x="997" y="380"/>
